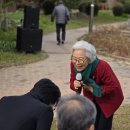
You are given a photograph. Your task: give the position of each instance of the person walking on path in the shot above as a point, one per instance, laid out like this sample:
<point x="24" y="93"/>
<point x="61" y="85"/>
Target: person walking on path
<point x="31" y="111"/>
<point x="98" y="81"/>
<point x="61" y="14"/>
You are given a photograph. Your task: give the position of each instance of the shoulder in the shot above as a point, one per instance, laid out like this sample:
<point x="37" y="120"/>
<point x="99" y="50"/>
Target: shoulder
<point x="39" y="107"/>
<point x="72" y="65"/>
<point x="3" y="98"/>
<point x="103" y="63"/>
<point x="6" y="98"/>
<point x="103" y="66"/>
<point x="46" y="111"/>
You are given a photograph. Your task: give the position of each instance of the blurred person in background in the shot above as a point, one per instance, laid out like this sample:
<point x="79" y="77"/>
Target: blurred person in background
<point x="61" y="14"/>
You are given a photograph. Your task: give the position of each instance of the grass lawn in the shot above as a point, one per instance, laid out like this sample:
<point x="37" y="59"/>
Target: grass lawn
<point x="16" y="58"/>
<point x="107" y="17"/>
<point x="122" y="118"/>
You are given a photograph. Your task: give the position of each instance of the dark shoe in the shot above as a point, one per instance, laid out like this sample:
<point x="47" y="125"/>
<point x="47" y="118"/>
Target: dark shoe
<point x="62" y="42"/>
<point x="58" y="43"/>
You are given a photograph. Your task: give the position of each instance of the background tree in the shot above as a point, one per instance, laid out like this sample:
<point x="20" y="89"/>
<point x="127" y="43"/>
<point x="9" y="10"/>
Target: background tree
<point x="0" y="13"/>
<point x="72" y="4"/>
<point x="4" y="6"/>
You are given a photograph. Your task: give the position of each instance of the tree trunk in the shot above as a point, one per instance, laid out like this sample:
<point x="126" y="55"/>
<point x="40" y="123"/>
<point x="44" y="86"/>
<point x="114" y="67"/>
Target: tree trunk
<point x="5" y="20"/>
<point x="0" y="23"/>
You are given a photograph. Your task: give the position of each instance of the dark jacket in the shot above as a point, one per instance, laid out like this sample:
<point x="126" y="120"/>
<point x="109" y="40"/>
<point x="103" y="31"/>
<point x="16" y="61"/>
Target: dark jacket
<point x="111" y="88"/>
<point x="24" y="112"/>
<point x="61" y="13"/>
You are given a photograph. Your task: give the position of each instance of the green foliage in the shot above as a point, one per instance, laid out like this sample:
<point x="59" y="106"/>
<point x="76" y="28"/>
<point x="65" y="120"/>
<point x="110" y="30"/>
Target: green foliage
<point x="8" y="40"/>
<point x="102" y="1"/>
<point x="108" y="17"/>
<point x="3" y="11"/>
<point x="127" y="7"/>
<point x="117" y="10"/>
<point x="6" y="46"/>
<point x="82" y="7"/>
<point x="85" y="7"/>
<point x="48" y="7"/>
<point x="72" y="4"/>
<point x="88" y="9"/>
<point x="6" y="3"/>
<point x="122" y="1"/>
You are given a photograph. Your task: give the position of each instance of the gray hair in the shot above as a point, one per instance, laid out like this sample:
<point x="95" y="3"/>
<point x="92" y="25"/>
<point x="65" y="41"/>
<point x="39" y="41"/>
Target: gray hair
<point x="75" y="112"/>
<point x="89" y="48"/>
<point x="60" y="2"/>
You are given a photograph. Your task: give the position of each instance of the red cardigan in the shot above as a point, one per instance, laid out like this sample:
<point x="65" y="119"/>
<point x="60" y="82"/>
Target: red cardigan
<point x="112" y="92"/>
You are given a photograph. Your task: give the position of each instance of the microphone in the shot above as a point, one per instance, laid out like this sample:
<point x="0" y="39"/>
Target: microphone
<point x="79" y="78"/>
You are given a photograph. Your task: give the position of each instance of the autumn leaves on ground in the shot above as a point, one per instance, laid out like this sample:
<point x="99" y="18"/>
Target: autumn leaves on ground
<point x="112" y="40"/>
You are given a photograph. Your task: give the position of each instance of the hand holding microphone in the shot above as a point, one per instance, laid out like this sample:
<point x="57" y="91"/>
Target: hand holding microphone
<point x="78" y="83"/>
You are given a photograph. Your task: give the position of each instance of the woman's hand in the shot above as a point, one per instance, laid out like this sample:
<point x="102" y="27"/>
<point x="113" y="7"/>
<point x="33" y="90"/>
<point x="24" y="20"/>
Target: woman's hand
<point x="77" y="84"/>
<point x="87" y="87"/>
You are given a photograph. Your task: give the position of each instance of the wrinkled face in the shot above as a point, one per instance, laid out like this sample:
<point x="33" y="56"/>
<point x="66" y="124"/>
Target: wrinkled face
<point x="79" y="59"/>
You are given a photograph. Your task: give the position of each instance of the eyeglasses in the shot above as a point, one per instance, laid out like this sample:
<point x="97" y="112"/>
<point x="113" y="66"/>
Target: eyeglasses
<point x="80" y="60"/>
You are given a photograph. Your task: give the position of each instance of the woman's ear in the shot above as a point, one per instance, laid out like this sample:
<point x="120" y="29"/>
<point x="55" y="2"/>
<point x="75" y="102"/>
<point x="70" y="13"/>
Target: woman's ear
<point x="89" y="60"/>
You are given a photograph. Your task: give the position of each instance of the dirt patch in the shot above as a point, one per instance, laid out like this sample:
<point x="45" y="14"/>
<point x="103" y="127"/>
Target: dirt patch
<point x="111" y="40"/>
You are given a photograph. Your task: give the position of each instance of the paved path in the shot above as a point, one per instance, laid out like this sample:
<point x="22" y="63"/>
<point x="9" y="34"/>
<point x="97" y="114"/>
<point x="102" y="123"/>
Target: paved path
<point x="17" y="80"/>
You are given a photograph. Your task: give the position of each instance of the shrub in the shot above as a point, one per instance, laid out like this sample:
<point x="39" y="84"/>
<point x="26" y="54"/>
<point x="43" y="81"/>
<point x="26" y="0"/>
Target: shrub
<point x="117" y="10"/>
<point x="103" y="1"/>
<point x="88" y="9"/>
<point x="8" y="40"/>
<point x="48" y="7"/>
<point x="111" y="40"/>
<point x="82" y="7"/>
<point x="127" y="8"/>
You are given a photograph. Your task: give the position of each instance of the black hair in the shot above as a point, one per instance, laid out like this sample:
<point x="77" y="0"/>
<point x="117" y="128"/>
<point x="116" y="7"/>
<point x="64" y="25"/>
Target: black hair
<point x="46" y="91"/>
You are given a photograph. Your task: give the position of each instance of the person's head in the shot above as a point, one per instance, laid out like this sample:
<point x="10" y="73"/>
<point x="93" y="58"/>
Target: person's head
<point x="46" y="91"/>
<point x="83" y="53"/>
<point x="60" y="2"/>
<point x="75" y="112"/>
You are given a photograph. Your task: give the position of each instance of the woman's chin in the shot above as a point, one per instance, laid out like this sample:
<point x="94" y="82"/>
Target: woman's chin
<point x="79" y="69"/>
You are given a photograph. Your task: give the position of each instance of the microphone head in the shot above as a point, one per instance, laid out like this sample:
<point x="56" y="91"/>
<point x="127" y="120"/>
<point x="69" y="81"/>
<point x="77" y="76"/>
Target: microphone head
<point x="78" y="76"/>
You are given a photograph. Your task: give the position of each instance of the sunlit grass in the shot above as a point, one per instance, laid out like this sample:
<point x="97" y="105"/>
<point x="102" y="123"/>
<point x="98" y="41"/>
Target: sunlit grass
<point x="15" y="58"/>
<point x="108" y="17"/>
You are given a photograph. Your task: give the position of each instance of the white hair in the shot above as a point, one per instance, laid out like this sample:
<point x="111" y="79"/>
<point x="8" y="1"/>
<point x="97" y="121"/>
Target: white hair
<point x="89" y="48"/>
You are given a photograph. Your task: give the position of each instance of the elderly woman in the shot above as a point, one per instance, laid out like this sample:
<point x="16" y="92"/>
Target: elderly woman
<point x="98" y="81"/>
